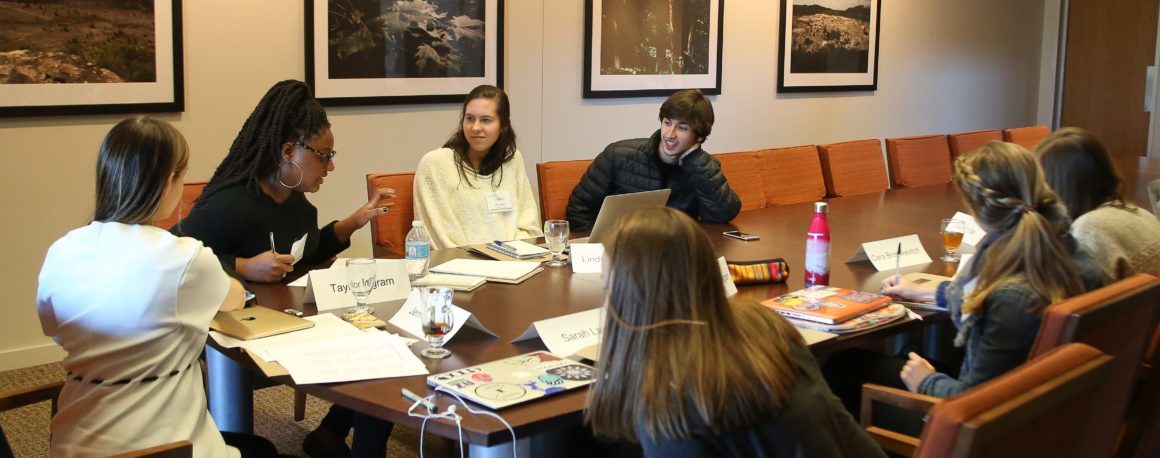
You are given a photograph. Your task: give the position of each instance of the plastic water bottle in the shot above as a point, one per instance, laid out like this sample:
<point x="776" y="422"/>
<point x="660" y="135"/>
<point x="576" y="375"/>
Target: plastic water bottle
<point x="418" y="246"/>
<point x="818" y="247"/>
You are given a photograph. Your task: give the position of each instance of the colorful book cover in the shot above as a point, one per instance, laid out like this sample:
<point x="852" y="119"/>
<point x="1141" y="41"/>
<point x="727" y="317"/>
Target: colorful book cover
<point x="826" y="304"/>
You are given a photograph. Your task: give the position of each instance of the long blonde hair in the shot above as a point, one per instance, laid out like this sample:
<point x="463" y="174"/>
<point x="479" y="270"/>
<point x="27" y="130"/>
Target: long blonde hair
<point x="674" y="349"/>
<point x="1003" y="184"/>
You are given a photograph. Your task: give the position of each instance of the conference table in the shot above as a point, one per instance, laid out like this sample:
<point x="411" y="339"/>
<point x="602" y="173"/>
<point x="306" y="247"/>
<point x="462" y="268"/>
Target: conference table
<point x="508" y="310"/>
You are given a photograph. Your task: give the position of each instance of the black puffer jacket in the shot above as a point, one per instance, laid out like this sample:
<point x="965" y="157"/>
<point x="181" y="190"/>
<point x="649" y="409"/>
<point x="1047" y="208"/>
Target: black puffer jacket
<point x="699" y="187"/>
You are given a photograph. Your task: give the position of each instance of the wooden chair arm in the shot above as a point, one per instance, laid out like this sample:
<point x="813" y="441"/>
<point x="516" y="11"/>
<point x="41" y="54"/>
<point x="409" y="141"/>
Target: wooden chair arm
<point x="890" y="441"/>
<point x="21" y="397"/>
<point x="902" y="399"/>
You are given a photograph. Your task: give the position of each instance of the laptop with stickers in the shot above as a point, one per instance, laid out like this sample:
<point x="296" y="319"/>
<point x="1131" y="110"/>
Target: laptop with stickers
<point x="515" y="380"/>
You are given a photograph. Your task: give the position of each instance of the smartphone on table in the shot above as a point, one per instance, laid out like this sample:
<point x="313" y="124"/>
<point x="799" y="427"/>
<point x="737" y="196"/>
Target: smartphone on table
<point x="741" y="235"/>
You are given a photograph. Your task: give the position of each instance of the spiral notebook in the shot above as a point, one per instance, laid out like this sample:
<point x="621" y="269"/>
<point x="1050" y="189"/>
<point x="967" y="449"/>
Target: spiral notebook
<point x="518" y="249"/>
<point x="493" y="271"/>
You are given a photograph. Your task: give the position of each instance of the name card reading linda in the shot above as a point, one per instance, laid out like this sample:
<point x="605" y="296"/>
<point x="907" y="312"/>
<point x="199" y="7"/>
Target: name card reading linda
<point x="409" y="318"/>
<point x="586" y="258"/>
<point x="565" y="335"/>
<point x="330" y="289"/>
<point x="881" y="253"/>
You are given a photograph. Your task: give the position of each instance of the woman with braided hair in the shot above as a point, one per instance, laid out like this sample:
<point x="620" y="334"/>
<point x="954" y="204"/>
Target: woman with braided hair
<point x="1026" y="262"/>
<point x="257" y="198"/>
<point x="284" y="150"/>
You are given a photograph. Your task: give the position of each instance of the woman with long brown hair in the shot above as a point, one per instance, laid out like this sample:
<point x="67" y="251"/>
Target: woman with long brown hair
<point x="687" y="372"/>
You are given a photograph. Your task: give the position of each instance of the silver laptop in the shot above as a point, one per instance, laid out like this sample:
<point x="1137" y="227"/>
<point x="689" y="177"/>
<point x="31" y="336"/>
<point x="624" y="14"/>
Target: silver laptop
<point x="616" y="206"/>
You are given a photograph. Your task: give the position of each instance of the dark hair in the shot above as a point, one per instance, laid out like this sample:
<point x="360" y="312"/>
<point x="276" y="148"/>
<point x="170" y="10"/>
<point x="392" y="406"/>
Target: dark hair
<point x="1077" y="166"/>
<point x="667" y="325"/>
<point x="288" y="112"/>
<point x="691" y="107"/>
<point x="1003" y="185"/>
<point x="137" y="159"/>
<point x="504" y="148"/>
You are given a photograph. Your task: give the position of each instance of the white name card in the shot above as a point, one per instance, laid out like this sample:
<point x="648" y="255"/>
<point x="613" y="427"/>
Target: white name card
<point x="972" y="231"/>
<point x="409" y="318"/>
<point x="881" y="253"/>
<point x="565" y="335"/>
<point x="330" y="289"/>
<point x="730" y="287"/>
<point x="586" y="258"/>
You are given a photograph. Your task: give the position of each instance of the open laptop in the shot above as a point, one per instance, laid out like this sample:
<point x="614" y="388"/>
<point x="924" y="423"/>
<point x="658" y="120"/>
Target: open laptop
<point x="616" y="206"/>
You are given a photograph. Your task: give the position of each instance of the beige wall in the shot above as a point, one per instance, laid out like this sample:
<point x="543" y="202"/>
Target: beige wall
<point x="945" y="66"/>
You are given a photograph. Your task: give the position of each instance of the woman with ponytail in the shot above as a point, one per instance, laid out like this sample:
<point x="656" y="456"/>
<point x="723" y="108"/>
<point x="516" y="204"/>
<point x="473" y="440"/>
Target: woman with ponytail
<point x="1026" y="262"/>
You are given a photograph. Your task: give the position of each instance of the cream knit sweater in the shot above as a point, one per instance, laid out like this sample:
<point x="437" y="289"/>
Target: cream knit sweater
<point x="455" y="210"/>
<point x="1123" y="241"/>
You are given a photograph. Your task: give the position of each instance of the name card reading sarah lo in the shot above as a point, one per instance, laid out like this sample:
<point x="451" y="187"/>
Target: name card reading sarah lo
<point x="565" y="335"/>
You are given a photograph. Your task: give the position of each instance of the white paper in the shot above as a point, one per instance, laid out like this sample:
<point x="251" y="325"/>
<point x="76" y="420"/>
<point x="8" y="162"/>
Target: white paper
<point x="302" y="281"/>
<point x="409" y="319"/>
<point x="882" y="253"/>
<point x="964" y="261"/>
<point x="298" y="248"/>
<point x="356" y="357"/>
<point x="329" y="288"/>
<point x="565" y="335"/>
<point x="972" y="232"/>
<point x="730" y="287"/>
<point x="326" y="326"/>
<point x="586" y="258"/>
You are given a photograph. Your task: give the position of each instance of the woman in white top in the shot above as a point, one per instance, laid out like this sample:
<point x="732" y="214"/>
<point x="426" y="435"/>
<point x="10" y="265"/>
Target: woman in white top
<point x="1123" y="238"/>
<point x="131" y="304"/>
<point x="475" y="189"/>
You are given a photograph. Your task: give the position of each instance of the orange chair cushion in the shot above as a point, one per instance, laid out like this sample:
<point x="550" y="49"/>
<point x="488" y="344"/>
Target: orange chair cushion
<point x="388" y="230"/>
<point x="791" y="175"/>
<point x="744" y="176"/>
<point x="854" y="167"/>
<point x="1027" y="137"/>
<point x="557" y="179"/>
<point x="919" y="161"/>
<point x="965" y="142"/>
<point x="189" y="195"/>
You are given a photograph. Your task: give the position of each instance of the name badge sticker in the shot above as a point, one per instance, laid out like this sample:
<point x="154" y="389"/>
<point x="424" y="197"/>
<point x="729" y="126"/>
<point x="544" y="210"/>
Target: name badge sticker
<point x="499" y="202"/>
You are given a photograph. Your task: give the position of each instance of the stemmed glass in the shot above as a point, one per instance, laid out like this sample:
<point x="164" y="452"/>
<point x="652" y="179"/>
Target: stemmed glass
<point x="556" y="234"/>
<point x="951" y="231"/>
<point x="361" y="274"/>
<point x="436" y="319"/>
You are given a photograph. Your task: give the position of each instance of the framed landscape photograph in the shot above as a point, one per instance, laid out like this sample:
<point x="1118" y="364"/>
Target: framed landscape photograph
<point x="381" y="52"/>
<point x="651" y="48"/>
<point x="828" y="45"/>
<point x="74" y="57"/>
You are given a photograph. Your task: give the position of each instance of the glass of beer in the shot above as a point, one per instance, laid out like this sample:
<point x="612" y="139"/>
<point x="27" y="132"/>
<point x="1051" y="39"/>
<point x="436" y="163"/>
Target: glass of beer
<point x="436" y="319"/>
<point x="951" y="231"/>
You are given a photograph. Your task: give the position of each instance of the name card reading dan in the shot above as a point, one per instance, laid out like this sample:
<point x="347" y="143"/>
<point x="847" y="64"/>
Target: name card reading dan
<point x="972" y="231"/>
<point x="409" y="318"/>
<point x="730" y="287"/>
<point x="882" y="253"/>
<point x="565" y="335"/>
<point x="586" y="259"/>
<point x="330" y="289"/>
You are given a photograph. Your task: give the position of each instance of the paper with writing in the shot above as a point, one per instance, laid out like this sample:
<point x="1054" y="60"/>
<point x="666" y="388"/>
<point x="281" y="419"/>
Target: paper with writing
<point x="565" y="335"/>
<point x="586" y="259"/>
<point x="356" y="357"/>
<point x="408" y="318"/>
<point x="329" y="288"/>
<point x="882" y="253"/>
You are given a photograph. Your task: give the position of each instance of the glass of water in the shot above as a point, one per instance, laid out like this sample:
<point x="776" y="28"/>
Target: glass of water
<point x="556" y="234"/>
<point x="361" y="276"/>
<point x="436" y="318"/>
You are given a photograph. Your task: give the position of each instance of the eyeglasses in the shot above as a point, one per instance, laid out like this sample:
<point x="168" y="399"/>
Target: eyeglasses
<point x="325" y="157"/>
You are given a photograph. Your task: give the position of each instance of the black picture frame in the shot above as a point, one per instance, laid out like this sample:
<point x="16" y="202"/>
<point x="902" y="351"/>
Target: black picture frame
<point x="336" y="81"/>
<point x="829" y="69"/>
<point x="601" y="82"/>
<point x="166" y="93"/>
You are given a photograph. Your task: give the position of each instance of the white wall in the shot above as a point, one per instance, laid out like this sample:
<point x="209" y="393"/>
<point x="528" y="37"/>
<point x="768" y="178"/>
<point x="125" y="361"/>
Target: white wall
<point x="944" y="66"/>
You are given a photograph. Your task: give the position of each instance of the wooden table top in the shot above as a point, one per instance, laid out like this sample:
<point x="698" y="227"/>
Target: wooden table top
<point x="508" y="310"/>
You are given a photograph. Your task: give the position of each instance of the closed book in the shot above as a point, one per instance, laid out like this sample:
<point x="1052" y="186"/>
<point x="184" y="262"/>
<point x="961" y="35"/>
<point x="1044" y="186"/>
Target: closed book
<point x="455" y="282"/>
<point x="518" y="249"/>
<point x="495" y="271"/>
<point x="826" y="304"/>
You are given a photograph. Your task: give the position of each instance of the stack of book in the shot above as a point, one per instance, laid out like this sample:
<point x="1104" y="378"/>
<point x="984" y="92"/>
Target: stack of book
<point x="838" y="310"/>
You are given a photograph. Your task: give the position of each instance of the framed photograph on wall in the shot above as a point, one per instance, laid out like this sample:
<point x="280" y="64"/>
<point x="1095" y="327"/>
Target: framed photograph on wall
<point x="651" y="48"/>
<point x="382" y="52"/>
<point x="83" y="57"/>
<point x="828" y="45"/>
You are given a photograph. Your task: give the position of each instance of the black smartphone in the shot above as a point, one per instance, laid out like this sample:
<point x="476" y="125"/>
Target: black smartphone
<point x="741" y="235"/>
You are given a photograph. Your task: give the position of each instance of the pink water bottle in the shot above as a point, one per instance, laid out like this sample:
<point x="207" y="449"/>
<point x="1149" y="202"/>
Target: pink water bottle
<point x="818" y="247"/>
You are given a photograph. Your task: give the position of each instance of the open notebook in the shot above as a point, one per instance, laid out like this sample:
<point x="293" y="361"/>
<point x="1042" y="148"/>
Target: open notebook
<point x="495" y="271"/>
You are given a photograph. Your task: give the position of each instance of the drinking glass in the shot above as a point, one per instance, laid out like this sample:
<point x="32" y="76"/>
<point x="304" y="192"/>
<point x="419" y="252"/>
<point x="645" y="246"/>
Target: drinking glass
<point x="951" y="231"/>
<point x="361" y="275"/>
<point x="436" y="319"/>
<point x="556" y="234"/>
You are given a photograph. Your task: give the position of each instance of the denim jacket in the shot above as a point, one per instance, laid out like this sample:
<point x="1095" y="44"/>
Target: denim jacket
<point x="998" y="336"/>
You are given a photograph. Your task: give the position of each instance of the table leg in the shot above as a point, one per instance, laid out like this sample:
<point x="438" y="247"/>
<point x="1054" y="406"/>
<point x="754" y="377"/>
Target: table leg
<point x="231" y="396"/>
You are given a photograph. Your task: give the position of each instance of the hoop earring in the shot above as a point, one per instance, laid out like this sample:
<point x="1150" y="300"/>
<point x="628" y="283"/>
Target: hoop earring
<point x="283" y="183"/>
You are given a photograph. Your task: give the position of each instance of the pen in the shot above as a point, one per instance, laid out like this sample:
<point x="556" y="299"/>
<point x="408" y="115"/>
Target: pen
<point x="498" y="243"/>
<point x="431" y="407"/>
<point x="897" y="263"/>
<point x="272" y="249"/>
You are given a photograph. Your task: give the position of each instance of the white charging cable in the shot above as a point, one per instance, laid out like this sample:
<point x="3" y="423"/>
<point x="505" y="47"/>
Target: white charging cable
<point x="451" y="415"/>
